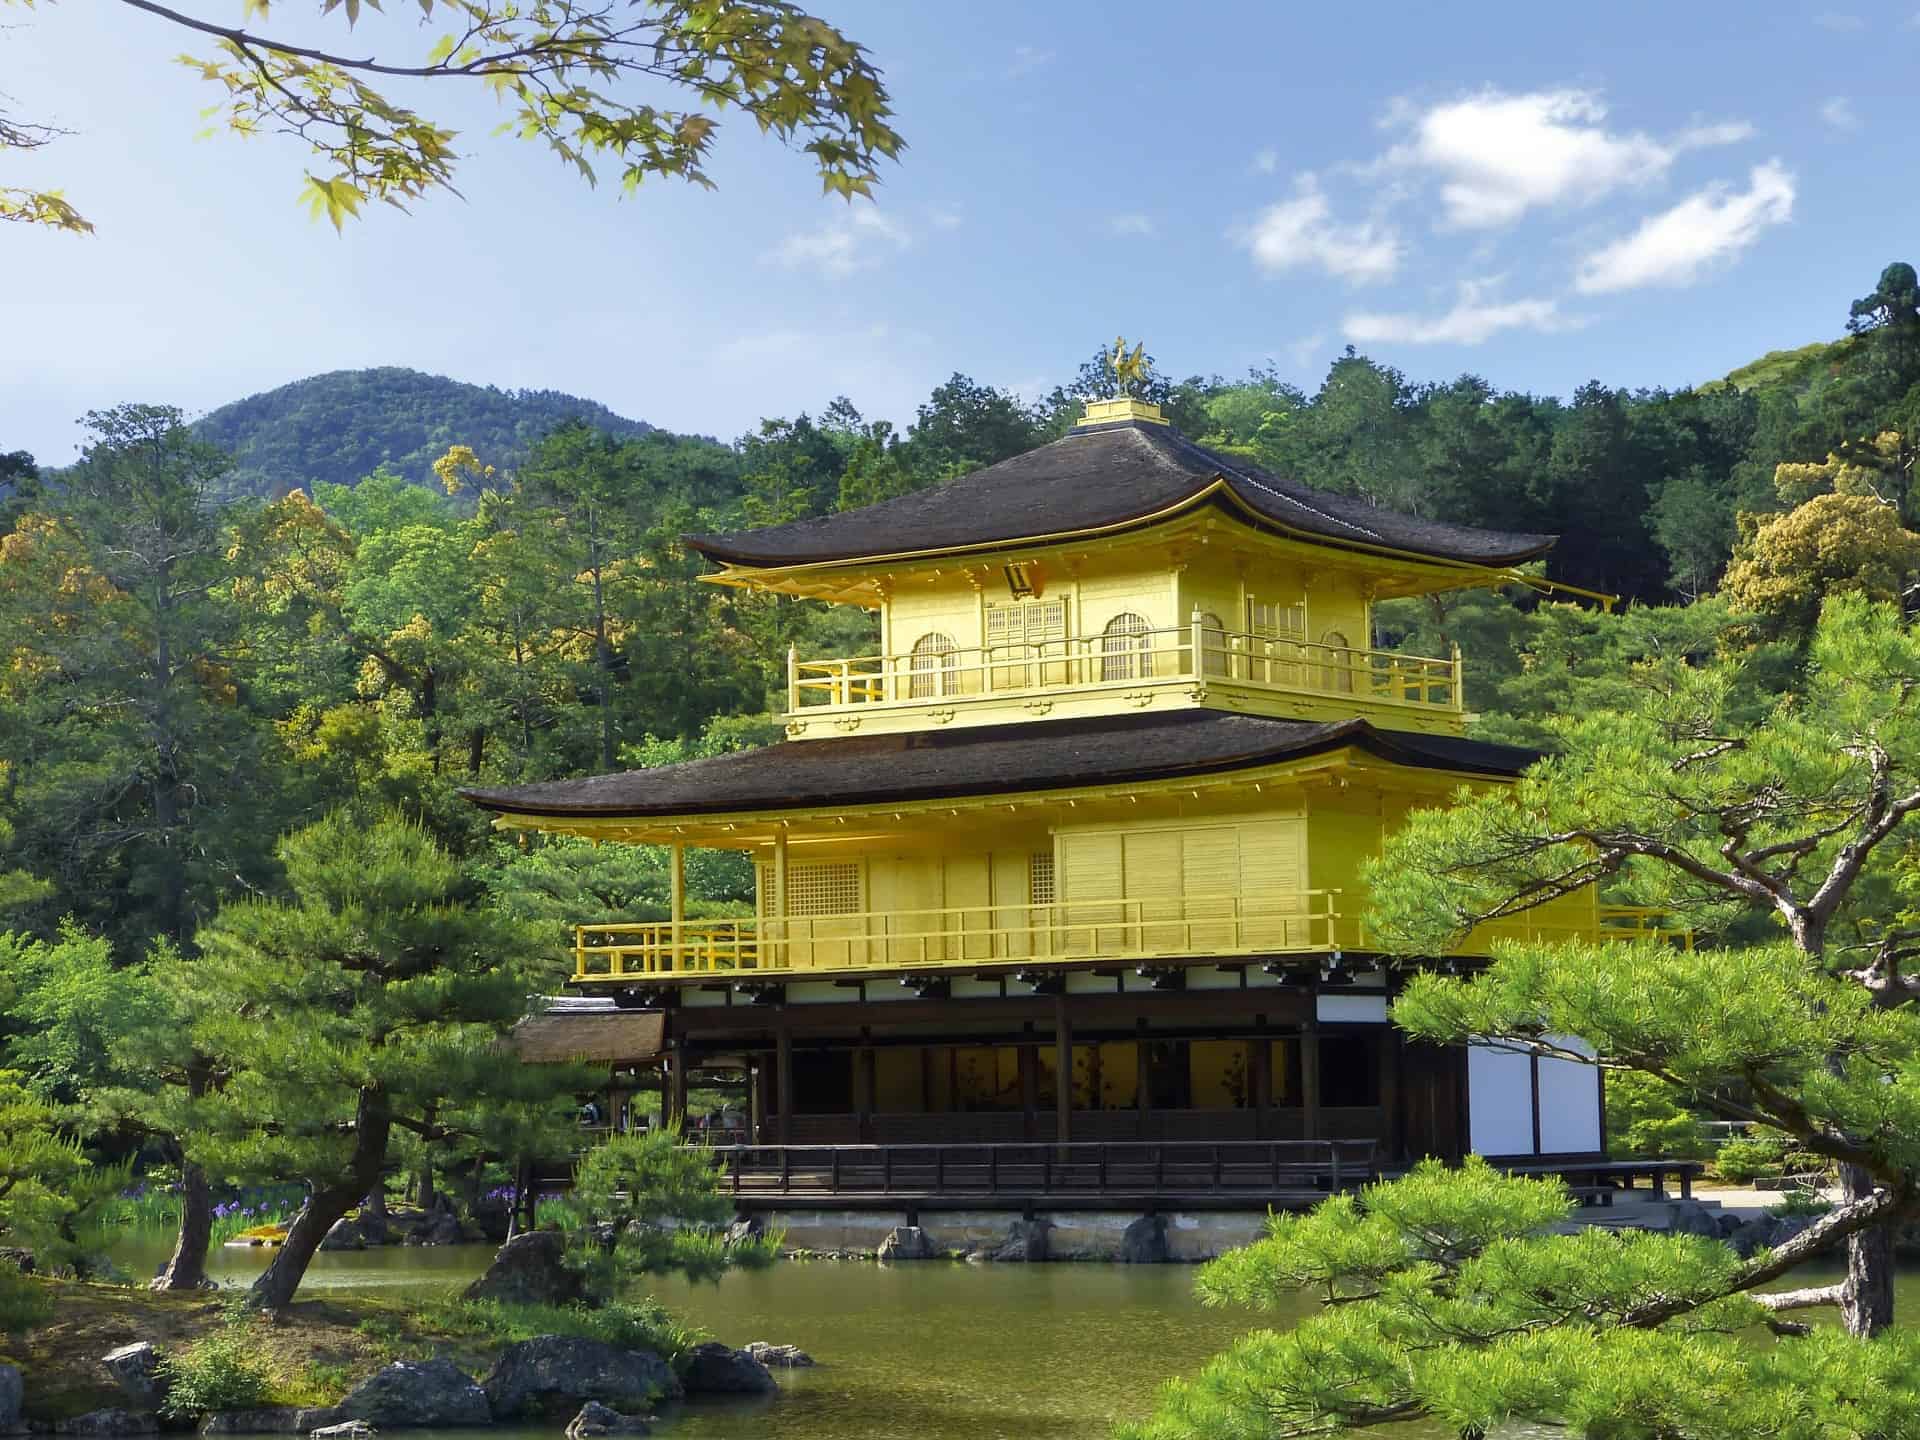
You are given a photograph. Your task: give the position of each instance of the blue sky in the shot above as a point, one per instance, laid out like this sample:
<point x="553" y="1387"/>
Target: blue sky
<point x="1541" y="194"/>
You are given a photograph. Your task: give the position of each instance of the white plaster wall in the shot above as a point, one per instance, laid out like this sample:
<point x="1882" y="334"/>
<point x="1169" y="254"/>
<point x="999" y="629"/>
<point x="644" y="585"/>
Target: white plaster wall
<point x="1499" y="1102"/>
<point x="1569" y="1102"/>
<point x="1352" y="1009"/>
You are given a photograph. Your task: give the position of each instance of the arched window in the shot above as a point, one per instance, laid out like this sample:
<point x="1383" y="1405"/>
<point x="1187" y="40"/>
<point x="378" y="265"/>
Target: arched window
<point x="931" y="667"/>
<point x="1213" y="643"/>
<point x="1336" y="663"/>
<point x="1123" y="648"/>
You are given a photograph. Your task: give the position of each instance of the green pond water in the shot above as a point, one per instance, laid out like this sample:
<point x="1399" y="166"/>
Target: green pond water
<point x="931" y="1351"/>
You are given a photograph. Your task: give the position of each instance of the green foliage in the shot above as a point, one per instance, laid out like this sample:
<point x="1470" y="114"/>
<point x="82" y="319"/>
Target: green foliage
<point x="25" y="1303"/>
<point x="334" y="429"/>
<point x="628" y="1324"/>
<point x="52" y="1196"/>
<point x="1644" y="1119"/>
<point x="1445" y="1296"/>
<point x="220" y="1371"/>
<point x="559" y="72"/>
<point x="647" y="1205"/>
<point x="1764" y="1153"/>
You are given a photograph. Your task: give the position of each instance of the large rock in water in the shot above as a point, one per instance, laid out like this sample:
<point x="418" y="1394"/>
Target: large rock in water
<point x="906" y="1242"/>
<point x="13" y="1396"/>
<point x="409" y="1394"/>
<point x="530" y="1269"/>
<point x="135" y="1369"/>
<point x="1026" y="1243"/>
<point x="596" y="1419"/>
<point x="269" y="1420"/>
<point x="716" y="1369"/>
<point x="555" y="1373"/>
<point x="783" y="1357"/>
<point x="1144" y="1242"/>
<point x="109" y="1423"/>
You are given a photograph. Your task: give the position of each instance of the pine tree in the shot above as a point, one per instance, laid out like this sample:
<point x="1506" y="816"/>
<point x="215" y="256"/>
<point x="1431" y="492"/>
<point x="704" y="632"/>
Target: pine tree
<point x="374" y="1000"/>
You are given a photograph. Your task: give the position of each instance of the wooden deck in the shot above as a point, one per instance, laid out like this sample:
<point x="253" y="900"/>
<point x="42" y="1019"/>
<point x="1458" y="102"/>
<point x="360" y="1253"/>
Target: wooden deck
<point x="1229" y="1175"/>
<point x="1598" y="1181"/>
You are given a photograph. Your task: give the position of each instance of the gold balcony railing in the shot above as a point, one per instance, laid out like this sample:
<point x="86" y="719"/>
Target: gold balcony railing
<point x="896" y="941"/>
<point x="1192" y="653"/>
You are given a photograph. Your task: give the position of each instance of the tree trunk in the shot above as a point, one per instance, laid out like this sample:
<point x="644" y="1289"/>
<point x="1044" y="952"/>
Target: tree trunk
<point x="426" y="1197"/>
<point x="1866" y="1299"/>
<point x="327" y="1205"/>
<point x="187" y="1270"/>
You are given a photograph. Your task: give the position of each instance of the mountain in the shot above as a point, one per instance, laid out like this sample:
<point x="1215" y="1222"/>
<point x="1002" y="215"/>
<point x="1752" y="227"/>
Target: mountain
<point x="343" y="425"/>
<point x="1796" y="370"/>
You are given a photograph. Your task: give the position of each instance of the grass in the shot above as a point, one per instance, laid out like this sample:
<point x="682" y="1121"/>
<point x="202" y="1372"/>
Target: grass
<point x="311" y="1355"/>
<point x="150" y="1209"/>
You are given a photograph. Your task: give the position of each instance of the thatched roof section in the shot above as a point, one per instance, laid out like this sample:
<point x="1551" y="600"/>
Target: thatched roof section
<point x="607" y="1037"/>
<point x="1100" y="477"/>
<point x="988" y="760"/>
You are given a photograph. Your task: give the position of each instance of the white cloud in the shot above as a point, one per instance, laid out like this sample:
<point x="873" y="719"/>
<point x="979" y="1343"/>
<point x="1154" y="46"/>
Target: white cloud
<point x="1499" y="155"/>
<point x="1302" y="232"/>
<point x="1130" y="224"/>
<point x="1839" y="114"/>
<point x="1267" y="161"/>
<point x="1475" y="317"/>
<point x="854" y="240"/>
<point x="945" y="217"/>
<point x="1027" y="59"/>
<point x="1675" y="246"/>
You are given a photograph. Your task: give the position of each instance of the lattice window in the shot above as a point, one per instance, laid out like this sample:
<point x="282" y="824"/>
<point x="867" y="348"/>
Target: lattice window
<point x="1022" y="632"/>
<point x="1213" y="643"/>
<point x="931" y="673"/>
<point x="1040" y="889"/>
<point x="1123" y="648"/>
<point x="1274" y="621"/>
<point x="824" y="888"/>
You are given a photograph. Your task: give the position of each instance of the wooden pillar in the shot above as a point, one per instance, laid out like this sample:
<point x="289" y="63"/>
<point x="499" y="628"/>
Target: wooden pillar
<point x="1260" y="1083"/>
<point x="1394" y="1140"/>
<point x="863" y="1088"/>
<point x="677" y="895"/>
<point x="1310" y="1079"/>
<point x="777" y="912"/>
<point x="1063" y="1071"/>
<point x="1143" y="1082"/>
<point x="783" y="1081"/>
<point x="678" y="1102"/>
<point x="757" y="1100"/>
<point x="1029" y="1086"/>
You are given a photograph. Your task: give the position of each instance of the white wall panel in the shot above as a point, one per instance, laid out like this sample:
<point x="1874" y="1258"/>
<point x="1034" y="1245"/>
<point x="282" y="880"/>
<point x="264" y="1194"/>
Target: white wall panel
<point x="1352" y="1009"/>
<point x="1499" y="1102"/>
<point x="1569" y="1103"/>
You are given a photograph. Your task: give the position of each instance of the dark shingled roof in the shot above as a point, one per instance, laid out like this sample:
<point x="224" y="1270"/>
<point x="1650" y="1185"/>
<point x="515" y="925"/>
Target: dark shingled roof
<point x="986" y="760"/>
<point x="1098" y="477"/>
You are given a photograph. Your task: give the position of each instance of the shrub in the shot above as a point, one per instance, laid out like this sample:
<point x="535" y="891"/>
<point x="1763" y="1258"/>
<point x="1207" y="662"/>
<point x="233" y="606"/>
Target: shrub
<point x="1765" y="1152"/>
<point x="24" y="1302"/>
<point x="629" y="1325"/>
<point x="1796" y="1204"/>
<point x="221" y="1371"/>
<point x="1645" y="1119"/>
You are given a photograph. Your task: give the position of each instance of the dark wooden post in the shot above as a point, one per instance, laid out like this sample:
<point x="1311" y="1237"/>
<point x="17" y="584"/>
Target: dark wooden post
<point x="1310" y="1078"/>
<point x="1029" y="1085"/>
<point x="1063" y="1071"/>
<point x="679" y="1082"/>
<point x="757" y="1100"/>
<point x="1143" y="1085"/>
<point x="1394" y="1141"/>
<point x="1260" y="1083"/>
<point x="863" y="1091"/>
<point x="783" y="1082"/>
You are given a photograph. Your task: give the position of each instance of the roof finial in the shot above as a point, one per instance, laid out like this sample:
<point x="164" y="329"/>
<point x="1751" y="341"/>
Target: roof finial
<point x="1129" y="368"/>
<point x="1129" y="371"/>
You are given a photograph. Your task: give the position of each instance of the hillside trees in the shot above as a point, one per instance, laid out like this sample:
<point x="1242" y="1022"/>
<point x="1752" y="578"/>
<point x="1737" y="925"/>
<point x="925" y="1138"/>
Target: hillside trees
<point x="561" y="70"/>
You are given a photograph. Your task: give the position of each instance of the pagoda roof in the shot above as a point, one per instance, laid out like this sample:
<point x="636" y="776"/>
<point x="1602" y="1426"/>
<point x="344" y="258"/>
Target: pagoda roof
<point x="1099" y="478"/>
<point x="1021" y="756"/>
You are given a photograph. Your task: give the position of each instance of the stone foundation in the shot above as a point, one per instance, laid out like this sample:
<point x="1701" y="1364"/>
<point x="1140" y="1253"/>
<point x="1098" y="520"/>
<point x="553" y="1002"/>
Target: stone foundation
<point x="1070" y="1234"/>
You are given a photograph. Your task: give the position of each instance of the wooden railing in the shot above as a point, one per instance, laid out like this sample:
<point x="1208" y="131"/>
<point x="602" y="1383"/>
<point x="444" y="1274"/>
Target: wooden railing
<point x="1302" y="922"/>
<point x="1252" y="1168"/>
<point x="963" y="936"/>
<point x="1192" y="653"/>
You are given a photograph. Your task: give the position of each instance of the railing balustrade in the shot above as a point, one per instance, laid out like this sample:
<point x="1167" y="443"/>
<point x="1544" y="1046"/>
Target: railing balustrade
<point x="959" y="937"/>
<point x="1196" y="652"/>
<point x="1106" y="1167"/>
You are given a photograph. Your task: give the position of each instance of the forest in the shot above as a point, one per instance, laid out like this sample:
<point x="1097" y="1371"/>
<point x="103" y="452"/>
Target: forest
<point x="234" y="726"/>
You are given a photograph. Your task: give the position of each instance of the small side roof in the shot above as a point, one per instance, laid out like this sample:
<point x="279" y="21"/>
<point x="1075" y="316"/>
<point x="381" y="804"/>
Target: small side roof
<point x="569" y="1034"/>
<point x="985" y="760"/>
<point x="1099" y="478"/>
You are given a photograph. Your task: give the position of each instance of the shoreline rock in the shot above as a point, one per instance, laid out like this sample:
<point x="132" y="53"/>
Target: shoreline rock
<point x="715" y="1368"/>
<point x="554" y="1373"/>
<point x="530" y="1269"/>
<point x="409" y="1394"/>
<point x="596" y="1419"/>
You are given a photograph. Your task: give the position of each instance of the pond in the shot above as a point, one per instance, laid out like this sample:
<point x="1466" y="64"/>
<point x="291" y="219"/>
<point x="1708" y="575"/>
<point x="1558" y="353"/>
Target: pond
<point x="935" y="1351"/>
<point x="930" y="1351"/>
